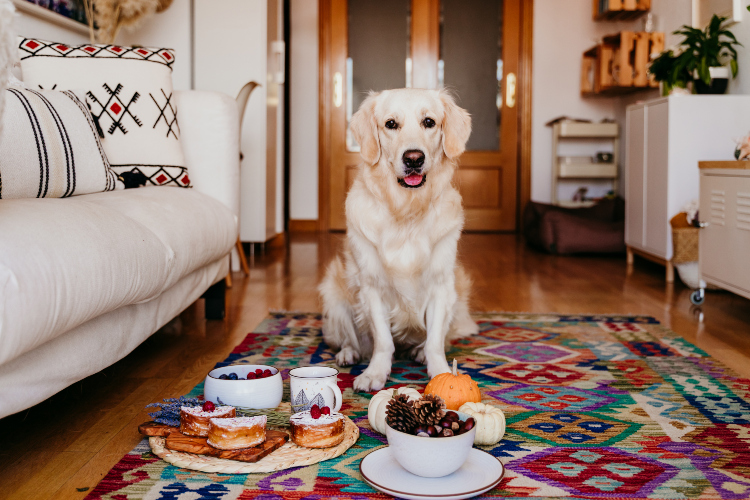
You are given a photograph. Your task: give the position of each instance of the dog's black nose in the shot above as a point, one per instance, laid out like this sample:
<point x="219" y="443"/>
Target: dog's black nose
<point x="413" y="159"/>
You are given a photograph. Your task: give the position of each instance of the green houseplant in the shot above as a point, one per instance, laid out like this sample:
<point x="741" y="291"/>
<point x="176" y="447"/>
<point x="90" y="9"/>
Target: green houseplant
<point x="701" y="57"/>
<point x="667" y="70"/>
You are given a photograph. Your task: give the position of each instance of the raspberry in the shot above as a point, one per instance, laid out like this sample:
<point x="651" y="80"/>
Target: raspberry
<point x="325" y="410"/>
<point x="267" y="373"/>
<point x="259" y="373"/>
<point x="315" y="412"/>
<point x="251" y="376"/>
<point x="208" y="406"/>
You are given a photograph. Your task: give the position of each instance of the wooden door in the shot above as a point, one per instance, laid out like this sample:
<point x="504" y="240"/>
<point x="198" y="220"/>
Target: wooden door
<point x="470" y="46"/>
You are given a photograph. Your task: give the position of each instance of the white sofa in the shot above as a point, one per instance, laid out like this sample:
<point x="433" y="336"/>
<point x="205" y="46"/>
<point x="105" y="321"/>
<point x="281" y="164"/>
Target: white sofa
<point x="84" y="280"/>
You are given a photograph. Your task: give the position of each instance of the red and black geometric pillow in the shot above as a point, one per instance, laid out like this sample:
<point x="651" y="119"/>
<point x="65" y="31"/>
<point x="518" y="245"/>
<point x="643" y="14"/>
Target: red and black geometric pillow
<point x="129" y="90"/>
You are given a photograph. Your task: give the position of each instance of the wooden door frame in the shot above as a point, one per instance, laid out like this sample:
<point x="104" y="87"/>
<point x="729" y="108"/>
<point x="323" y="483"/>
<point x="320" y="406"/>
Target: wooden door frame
<point x="523" y="98"/>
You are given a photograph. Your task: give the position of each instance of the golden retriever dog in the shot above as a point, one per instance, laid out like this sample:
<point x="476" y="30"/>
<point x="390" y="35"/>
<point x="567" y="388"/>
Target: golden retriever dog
<point x="397" y="281"/>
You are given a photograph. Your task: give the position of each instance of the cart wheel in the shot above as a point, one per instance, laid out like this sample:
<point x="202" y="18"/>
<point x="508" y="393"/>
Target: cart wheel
<point x="698" y="296"/>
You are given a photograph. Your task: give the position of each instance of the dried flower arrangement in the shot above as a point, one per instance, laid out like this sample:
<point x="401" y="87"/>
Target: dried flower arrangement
<point x="169" y="413"/>
<point x="107" y="17"/>
<point x="742" y="152"/>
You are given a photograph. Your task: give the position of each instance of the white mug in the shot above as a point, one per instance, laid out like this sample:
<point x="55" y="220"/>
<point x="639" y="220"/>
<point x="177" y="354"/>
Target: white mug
<point x="314" y="385"/>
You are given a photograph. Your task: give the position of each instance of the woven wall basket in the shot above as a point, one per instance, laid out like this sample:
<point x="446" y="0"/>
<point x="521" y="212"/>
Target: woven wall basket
<point x="289" y="455"/>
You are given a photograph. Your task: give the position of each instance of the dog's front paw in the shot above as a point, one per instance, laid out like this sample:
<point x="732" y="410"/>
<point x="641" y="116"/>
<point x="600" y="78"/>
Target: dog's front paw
<point x="347" y="356"/>
<point x="367" y="382"/>
<point x="417" y="354"/>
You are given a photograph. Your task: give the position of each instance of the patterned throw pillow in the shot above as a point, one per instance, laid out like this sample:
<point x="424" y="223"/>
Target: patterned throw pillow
<point x="49" y="147"/>
<point x="130" y="93"/>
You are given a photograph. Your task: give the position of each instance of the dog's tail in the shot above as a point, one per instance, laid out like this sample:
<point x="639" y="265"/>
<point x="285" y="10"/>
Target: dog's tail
<point x="462" y="325"/>
<point x="338" y="324"/>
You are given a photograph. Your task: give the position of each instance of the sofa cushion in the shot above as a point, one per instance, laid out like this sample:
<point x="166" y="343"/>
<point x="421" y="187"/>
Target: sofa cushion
<point x="49" y="147"/>
<point x="66" y="261"/>
<point x="130" y="92"/>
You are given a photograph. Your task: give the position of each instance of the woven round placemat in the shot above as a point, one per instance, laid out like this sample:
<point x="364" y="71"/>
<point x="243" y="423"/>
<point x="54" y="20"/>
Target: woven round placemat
<point x="289" y="455"/>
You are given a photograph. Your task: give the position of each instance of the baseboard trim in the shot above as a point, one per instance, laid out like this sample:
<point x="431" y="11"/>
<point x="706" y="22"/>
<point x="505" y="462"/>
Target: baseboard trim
<point x="302" y="226"/>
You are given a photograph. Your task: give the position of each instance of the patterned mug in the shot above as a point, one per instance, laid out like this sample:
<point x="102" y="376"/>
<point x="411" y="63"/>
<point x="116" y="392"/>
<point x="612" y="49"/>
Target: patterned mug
<point x="314" y="385"/>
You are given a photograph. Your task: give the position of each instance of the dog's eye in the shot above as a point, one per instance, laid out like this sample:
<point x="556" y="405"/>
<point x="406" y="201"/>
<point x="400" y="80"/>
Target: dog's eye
<point x="428" y="122"/>
<point x="391" y="124"/>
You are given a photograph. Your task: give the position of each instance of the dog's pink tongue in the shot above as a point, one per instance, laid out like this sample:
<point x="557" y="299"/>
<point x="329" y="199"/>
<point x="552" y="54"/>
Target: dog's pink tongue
<point x="413" y="179"/>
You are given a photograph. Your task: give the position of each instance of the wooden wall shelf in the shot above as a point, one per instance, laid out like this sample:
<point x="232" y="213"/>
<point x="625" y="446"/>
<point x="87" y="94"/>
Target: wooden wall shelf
<point x="619" y="10"/>
<point x="619" y="64"/>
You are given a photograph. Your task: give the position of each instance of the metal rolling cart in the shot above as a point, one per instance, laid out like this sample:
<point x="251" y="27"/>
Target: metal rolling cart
<point x="725" y="222"/>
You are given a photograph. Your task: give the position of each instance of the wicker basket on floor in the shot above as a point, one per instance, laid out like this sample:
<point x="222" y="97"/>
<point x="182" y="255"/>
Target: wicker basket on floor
<point x="685" y="244"/>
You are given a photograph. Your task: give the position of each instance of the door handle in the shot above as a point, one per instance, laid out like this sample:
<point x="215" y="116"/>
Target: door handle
<point x="338" y="89"/>
<point x="510" y="90"/>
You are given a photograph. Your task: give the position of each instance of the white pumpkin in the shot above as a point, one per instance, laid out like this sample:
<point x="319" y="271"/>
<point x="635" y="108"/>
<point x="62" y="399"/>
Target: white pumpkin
<point x="376" y="409"/>
<point x="490" y="422"/>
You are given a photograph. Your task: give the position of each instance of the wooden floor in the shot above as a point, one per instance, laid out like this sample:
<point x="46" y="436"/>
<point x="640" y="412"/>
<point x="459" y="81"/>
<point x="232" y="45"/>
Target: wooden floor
<point x="65" y="445"/>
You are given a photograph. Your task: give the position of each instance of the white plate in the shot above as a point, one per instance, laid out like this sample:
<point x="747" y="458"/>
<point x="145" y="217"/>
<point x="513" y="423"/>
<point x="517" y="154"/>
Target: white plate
<point x="481" y="472"/>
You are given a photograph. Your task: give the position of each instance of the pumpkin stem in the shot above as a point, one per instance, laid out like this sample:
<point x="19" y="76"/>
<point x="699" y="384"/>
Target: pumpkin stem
<point x="455" y="367"/>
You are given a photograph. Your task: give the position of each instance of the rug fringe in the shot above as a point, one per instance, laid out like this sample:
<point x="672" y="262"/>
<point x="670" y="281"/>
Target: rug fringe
<point x="525" y="313"/>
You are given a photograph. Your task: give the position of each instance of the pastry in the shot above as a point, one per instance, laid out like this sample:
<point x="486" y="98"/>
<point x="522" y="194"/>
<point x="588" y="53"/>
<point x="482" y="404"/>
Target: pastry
<point x="194" y="419"/>
<point x="323" y="432"/>
<point x="236" y="433"/>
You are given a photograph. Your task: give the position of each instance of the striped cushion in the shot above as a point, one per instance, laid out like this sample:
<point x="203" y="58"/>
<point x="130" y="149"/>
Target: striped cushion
<point x="49" y="147"/>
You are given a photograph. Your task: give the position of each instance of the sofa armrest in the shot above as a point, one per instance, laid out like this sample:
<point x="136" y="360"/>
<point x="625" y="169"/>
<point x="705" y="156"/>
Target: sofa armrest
<point x="210" y="131"/>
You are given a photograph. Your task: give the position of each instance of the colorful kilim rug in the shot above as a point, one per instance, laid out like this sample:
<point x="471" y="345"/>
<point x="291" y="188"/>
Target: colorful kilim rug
<point x="597" y="407"/>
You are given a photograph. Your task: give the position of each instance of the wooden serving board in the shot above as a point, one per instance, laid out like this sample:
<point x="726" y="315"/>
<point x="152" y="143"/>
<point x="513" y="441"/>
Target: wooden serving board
<point x="178" y="441"/>
<point x="156" y="429"/>
<point x="289" y="455"/>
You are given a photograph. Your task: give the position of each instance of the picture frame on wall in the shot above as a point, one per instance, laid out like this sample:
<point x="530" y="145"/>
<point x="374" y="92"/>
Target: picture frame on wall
<point x="703" y="10"/>
<point x="69" y="14"/>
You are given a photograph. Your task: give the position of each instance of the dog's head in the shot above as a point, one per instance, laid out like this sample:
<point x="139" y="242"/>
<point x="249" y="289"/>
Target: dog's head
<point x="410" y="132"/>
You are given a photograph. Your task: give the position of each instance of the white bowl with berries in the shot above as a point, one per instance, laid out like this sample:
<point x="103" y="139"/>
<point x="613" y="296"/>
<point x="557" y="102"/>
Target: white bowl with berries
<point x="434" y="450"/>
<point x="244" y="386"/>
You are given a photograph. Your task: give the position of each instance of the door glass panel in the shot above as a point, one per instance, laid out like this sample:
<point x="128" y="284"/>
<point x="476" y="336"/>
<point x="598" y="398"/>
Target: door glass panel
<point x="471" y="63"/>
<point x="378" y="58"/>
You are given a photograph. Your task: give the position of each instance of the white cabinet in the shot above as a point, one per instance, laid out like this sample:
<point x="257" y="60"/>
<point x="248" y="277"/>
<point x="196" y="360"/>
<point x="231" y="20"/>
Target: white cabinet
<point x="725" y="241"/>
<point x="665" y="140"/>
<point x="234" y="44"/>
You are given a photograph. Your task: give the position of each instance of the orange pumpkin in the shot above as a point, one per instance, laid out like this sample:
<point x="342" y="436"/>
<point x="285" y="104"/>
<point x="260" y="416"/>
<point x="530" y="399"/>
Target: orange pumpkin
<point x="455" y="388"/>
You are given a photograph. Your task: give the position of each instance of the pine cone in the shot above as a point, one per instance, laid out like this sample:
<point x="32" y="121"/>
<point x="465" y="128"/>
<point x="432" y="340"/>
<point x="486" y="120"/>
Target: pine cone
<point x="430" y="409"/>
<point x="400" y="415"/>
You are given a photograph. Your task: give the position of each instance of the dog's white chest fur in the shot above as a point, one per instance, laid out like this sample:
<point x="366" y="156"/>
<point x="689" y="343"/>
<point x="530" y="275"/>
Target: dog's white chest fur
<point x="407" y="257"/>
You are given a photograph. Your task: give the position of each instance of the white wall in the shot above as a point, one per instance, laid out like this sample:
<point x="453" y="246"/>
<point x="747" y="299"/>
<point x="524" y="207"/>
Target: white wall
<point x="741" y="85"/>
<point x="303" y="127"/>
<point x="241" y="26"/>
<point x="32" y="27"/>
<point x="562" y="32"/>
<point x="169" y="29"/>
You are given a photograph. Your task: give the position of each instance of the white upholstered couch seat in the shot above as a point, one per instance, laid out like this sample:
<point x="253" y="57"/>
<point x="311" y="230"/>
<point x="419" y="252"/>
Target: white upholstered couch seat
<point x="84" y="280"/>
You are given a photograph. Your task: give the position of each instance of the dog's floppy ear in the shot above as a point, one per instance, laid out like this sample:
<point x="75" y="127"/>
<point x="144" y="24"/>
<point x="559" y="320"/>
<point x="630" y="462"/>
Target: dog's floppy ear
<point x="365" y="130"/>
<point x="456" y="127"/>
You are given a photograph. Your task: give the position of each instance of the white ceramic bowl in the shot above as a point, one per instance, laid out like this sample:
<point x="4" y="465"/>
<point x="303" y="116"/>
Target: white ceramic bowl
<point x="256" y="393"/>
<point x="431" y="457"/>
